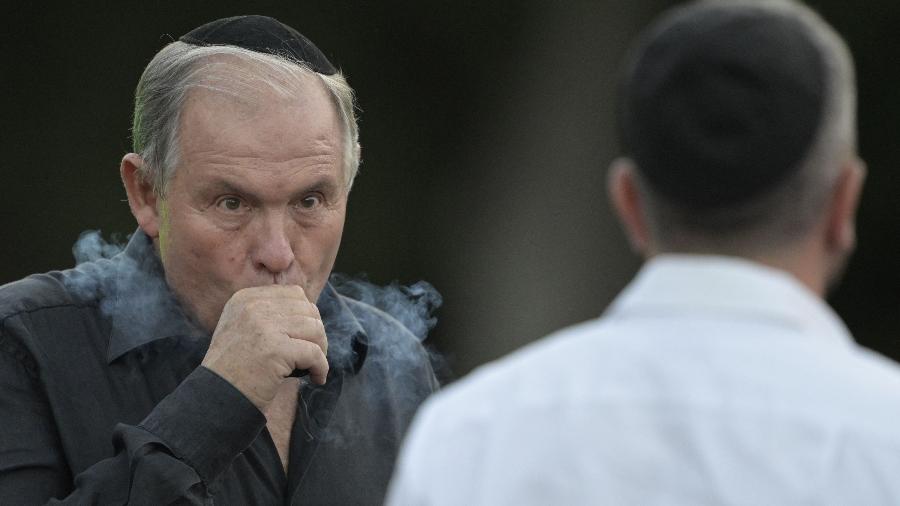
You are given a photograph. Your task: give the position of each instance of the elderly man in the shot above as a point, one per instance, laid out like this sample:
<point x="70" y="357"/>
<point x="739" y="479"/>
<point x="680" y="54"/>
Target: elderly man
<point x="719" y="376"/>
<point x="175" y="372"/>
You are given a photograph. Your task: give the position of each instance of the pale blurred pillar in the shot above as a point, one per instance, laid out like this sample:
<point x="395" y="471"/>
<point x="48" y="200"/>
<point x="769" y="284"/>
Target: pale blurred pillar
<point x="545" y="251"/>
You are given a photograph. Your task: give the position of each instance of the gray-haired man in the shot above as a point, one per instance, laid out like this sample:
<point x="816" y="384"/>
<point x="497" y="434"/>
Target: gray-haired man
<point x="169" y="373"/>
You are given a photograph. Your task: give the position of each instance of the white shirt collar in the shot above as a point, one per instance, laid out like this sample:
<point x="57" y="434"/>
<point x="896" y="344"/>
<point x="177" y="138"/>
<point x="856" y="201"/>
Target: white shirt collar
<point x="732" y="287"/>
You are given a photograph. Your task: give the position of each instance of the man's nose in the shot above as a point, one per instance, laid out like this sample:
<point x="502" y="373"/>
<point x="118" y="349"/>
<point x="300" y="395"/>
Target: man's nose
<point x="274" y="251"/>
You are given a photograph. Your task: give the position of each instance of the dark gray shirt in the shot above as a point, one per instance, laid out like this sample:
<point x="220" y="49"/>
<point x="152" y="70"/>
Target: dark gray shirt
<point x="103" y="401"/>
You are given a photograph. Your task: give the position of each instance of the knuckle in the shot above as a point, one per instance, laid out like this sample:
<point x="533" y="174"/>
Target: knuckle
<point x="254" y="309"/>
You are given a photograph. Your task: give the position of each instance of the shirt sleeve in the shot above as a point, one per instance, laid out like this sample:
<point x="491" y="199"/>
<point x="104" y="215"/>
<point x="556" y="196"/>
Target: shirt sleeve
<point x="185" y="442"/>
<point x="32" y="467"/>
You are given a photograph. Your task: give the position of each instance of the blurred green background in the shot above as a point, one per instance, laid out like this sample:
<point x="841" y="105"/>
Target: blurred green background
<point x="486" y="131"/>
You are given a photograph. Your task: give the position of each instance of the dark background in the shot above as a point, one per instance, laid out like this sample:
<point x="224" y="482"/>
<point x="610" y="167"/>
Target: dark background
<point x="486" y="131"/>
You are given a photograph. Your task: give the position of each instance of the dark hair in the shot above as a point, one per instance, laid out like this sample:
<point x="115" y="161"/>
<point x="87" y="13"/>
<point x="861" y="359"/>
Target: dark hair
<point x="738" y="115"/>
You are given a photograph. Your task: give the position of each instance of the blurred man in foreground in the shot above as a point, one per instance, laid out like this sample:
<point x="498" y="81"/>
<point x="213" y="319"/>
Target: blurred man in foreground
<point x="719" y="376"/>
<point x="171" y="373"/>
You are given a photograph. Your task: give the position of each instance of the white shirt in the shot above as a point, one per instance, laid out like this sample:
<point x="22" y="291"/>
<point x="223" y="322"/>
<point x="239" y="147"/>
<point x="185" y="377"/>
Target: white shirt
<point x="710" y="380"/>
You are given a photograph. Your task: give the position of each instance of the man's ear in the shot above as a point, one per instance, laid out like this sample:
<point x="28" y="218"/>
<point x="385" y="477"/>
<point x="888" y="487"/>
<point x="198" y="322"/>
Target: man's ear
<point x="840" y="230"/>
<point x="625" y="197"/>
<point x="141" y="197"/>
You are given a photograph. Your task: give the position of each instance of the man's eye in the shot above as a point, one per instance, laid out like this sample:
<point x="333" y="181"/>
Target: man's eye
<point x="310" y="202"/>
<point x="230" y="204"/>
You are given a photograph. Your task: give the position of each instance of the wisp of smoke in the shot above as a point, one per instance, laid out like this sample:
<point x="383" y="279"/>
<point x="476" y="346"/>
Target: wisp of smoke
<point x="96" y="275"/>
<point x="91" y="246"/>
<point x="412" y="305"/>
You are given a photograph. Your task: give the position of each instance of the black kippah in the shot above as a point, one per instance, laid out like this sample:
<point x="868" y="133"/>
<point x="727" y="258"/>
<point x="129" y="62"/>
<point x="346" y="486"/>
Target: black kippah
<point x="721" y="102"/>
<point x="261" y="34"/>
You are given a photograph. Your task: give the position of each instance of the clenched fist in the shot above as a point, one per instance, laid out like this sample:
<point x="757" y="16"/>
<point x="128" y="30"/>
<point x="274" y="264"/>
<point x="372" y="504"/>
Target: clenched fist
<point x="263" y="335"/>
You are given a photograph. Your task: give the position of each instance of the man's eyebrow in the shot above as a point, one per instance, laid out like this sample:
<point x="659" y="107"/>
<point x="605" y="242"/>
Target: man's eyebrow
<point x="326" y="185"/>
<point x="220" y="186"/>
<point x="323" y="184"/>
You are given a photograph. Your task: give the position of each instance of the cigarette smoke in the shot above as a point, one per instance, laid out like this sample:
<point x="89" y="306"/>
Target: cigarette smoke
<point x="412" y="305"/>
<point x="103" y="273"/>
<point x="91" y="246"/>
<point x="96" y="274"/>
<point x="129" y="288"/>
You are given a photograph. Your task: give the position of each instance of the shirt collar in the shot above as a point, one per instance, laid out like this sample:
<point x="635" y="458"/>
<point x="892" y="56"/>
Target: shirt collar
<point x="143" y="310"/>
<point x="731" y="287"/>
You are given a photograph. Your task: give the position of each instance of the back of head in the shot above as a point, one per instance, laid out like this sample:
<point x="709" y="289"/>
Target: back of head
<point x="738" y="115"/>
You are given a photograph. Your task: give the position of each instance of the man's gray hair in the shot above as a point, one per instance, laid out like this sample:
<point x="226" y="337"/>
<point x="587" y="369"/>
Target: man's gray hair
<point x="240" y="73"/>
<point x="789" y="210"/>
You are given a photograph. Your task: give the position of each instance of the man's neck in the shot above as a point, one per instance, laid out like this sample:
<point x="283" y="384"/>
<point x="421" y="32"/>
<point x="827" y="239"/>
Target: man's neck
<point x="809" y="271"/>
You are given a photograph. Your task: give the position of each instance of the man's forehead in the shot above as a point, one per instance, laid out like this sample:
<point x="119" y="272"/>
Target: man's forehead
<point x="272" y="141"/>
<point x="238" y="81"/>
<point x="221" y="105"/>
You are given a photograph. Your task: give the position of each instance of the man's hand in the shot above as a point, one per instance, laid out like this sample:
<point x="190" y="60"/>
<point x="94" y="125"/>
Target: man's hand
<point x="265" y="333"/>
